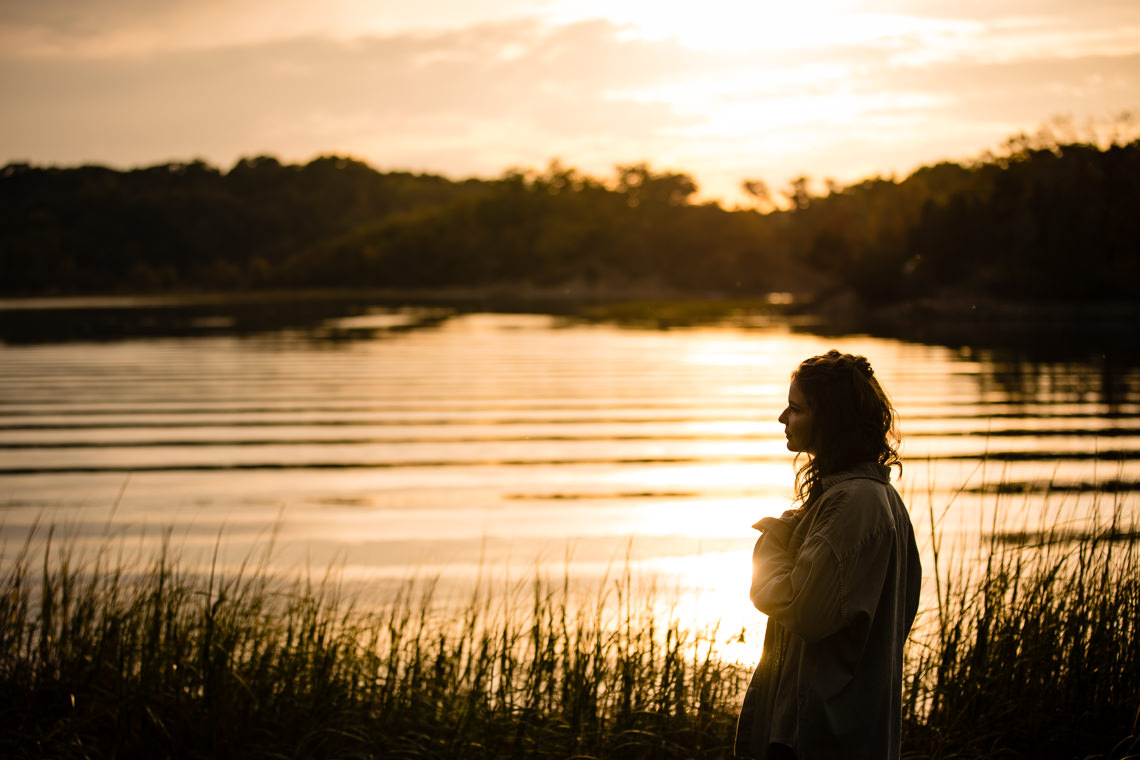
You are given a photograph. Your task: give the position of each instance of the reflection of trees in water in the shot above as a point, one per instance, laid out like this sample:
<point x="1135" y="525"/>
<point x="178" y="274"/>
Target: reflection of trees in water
<point x="1106" y="379"/>
<point x="174" y="318"/>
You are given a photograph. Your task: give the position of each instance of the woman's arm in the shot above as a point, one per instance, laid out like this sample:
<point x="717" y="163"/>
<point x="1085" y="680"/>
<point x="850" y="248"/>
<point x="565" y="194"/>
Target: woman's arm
<point x="810" y="591"/>
<point x="802" y="593"/>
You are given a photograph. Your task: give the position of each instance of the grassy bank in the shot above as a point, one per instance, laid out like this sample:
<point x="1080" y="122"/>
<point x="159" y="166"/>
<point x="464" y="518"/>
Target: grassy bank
<point x="97" y="664"/>
<point x="1035" y="657"/>
<point x="1035" y="653"/>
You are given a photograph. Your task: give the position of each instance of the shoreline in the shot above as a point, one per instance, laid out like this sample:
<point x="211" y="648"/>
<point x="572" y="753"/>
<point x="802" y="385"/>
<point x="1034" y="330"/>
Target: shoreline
<point x="1109" y="327"/>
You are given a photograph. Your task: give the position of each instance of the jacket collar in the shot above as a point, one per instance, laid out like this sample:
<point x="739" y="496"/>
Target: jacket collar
<point x="872" y="470"/>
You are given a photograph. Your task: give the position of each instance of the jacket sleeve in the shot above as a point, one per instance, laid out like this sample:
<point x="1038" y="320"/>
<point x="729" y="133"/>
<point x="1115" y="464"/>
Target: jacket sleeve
<point x="837" y="573"/>
<point x="805" y="593"/>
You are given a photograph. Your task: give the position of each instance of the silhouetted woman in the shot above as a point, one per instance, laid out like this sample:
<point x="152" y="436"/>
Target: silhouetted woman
<point x="838" y="578"/>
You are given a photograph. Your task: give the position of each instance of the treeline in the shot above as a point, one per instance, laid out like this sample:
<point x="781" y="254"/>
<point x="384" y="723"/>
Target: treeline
<point x="336" y="222"/>
<point x="1041" y="221"/>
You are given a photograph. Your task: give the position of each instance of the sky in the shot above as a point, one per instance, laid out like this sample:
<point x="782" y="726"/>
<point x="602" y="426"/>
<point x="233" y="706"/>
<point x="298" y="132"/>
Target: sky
<point x="723" y="90"/>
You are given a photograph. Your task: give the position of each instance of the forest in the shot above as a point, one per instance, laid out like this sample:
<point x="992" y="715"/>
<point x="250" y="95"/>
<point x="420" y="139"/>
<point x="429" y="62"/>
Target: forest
<point x="1040" y="222"/>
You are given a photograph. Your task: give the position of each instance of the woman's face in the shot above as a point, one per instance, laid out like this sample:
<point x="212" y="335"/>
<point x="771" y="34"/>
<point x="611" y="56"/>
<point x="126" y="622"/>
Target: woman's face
<point x="796" y="419"/>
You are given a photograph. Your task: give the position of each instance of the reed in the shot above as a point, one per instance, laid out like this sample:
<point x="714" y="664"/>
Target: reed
<point x="95" y="662"/>
<point x="1036" y="654"/>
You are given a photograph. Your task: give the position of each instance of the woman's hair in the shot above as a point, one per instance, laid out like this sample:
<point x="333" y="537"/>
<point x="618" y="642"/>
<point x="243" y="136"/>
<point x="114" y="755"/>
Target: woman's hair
<point x="852" y="420"/>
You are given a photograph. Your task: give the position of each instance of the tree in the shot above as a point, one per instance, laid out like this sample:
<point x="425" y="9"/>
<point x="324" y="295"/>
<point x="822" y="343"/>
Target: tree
<point x="760" y="194"/>
<point x="641" y="186"/>
<point x="798" y="194"/>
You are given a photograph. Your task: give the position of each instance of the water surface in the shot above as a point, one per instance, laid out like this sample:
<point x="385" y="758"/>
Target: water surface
<point x="397" y="442"/>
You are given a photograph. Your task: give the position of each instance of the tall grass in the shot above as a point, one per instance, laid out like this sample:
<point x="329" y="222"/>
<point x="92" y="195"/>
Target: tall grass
<point x="1034" y="655"/>
<point x="96" y="664"/>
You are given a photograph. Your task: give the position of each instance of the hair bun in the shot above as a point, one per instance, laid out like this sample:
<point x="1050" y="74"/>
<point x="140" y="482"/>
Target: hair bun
<point x="836" y="360"/>
<point x="847" y="361"/>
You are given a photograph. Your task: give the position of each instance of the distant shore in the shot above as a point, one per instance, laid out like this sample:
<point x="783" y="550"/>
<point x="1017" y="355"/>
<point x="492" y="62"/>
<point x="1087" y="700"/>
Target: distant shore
<point x="957" y="320"/>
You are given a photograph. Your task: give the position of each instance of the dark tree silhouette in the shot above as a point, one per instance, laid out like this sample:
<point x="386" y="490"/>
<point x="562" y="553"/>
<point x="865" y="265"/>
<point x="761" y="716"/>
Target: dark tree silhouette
<point x="1042" y="220"/>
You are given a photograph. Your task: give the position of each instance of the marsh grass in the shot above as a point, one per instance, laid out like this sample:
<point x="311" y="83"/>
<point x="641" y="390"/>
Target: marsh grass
<point x="1034" y="653"/>
<point x="94" y="663"/>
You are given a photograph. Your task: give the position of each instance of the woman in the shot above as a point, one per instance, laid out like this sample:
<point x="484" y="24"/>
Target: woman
<point x="838" y="578"/>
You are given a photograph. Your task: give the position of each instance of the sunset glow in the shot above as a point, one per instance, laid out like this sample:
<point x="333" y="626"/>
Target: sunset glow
<point x="727" y="92"/>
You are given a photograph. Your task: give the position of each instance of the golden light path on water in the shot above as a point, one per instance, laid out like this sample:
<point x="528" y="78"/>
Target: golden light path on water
<point x="396" y="445"/>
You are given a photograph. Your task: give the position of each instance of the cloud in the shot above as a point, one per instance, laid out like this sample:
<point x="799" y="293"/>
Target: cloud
<point x="96" y="28"/>
<point x="475" y="100"/>
<point x="303" y="96"/>
<point x="1101" y="12"/>
<point x="981" y="91"/>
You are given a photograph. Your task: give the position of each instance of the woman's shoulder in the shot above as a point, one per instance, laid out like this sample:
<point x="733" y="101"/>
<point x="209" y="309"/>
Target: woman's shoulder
<point x="863" y="477"/>
<point x="857" y="501"/>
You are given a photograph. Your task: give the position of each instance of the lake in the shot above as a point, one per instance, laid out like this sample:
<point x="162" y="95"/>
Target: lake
<point x="393" y="442"/>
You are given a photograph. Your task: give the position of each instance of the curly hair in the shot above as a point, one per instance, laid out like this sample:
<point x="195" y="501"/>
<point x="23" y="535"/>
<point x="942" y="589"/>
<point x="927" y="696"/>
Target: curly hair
<point x="852" y="419"/>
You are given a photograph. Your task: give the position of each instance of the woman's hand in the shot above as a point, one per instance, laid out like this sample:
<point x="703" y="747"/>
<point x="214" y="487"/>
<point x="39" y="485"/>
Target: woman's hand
<point x="779" y="529"/>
